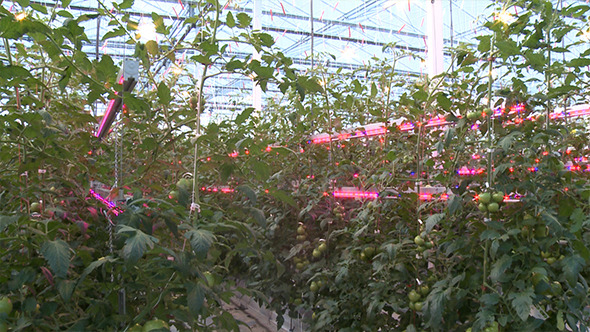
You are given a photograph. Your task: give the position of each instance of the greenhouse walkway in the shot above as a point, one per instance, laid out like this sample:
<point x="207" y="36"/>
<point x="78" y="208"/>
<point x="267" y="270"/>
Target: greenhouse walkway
<point x="259" y="319"/>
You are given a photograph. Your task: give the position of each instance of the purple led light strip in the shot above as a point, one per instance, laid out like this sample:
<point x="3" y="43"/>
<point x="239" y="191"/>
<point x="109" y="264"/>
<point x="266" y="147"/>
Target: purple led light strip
<point x="111" y="205"/>
<point x="109" y="114"/>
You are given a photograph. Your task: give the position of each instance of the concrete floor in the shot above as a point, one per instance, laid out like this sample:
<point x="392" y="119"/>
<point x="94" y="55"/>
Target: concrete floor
<point x="257" y="319"/>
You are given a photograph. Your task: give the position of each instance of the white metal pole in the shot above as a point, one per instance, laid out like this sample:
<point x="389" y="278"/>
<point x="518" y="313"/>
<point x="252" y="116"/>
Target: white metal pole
<point x="435" y="38"/>
<point x="257" y="25"/>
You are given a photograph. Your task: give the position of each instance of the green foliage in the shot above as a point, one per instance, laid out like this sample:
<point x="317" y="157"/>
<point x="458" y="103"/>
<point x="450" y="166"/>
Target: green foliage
<point x="524" y="267"/>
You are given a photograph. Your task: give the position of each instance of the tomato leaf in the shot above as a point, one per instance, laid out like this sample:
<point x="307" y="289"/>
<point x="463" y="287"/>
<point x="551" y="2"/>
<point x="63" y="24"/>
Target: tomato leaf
<point x="65" y="289"/>
<point x="522" y="302"/>
<point x="195" y="297"/>
<point x="201" y="240"/>
<point x="489" y="299"/>
<point x="497" y="273"/>
<point x="92" y="266"/>
<point x="560" y="322"/>
<point x="244" y="20"/>
<point x="454" y="204"/>
<point x="229" y="20"/>
<point x="582" y="250"/>
<point x="572" y="266"/>
<point x="258" y="215"/>
<point x="248" y="192"/>
<point x="244" y="115"/>
<point x="164" y="93"/>
<point x="435" y="305"/>
<point x="57" y="254"/>
<point x="5" y="221"/>
<point x="136" y="244"/>
<point x="433" y="220"/>
<point x="283" y="197"/>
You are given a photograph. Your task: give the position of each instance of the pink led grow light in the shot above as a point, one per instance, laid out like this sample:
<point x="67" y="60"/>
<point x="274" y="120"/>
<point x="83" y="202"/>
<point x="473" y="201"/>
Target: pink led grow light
<point x="109" y="204"/>
<point x="579" y="110"/>
<point x="221" y="189"/>
<point x="354" y="193"/>
<point x="470" y="171"/>
<point x="127" y="78"/>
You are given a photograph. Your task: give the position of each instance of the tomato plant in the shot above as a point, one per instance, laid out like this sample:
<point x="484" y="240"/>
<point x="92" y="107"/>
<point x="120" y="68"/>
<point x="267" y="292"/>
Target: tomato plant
<point x="429" y="248"/>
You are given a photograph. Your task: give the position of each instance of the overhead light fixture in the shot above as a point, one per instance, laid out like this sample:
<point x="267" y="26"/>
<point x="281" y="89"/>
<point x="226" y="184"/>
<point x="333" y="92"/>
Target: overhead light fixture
<point x="20" y="16"/>
<point x="127" y="79"/>
<point x="146" y="31"/>
<point x="505" y="17"/>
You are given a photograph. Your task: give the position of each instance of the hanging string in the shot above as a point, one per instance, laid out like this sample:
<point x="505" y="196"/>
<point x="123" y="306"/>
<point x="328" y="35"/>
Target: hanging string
<point x="452" y="31"/>
<point x="195" y="207"/>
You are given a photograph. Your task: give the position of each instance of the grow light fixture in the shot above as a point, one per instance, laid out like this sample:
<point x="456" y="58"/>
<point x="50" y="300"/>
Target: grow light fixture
<point x="470" y="171"/>
<point x="221" y="189"/>
<point x="109" y="204"/>
<point x="127" y="78"/>
<point x="352" y="192"/>
<point x="440" y="121"/>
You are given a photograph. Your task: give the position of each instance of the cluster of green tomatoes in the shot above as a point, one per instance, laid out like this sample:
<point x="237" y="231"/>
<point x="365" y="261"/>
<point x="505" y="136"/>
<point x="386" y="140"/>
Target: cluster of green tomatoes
<point x="489" y="202"/>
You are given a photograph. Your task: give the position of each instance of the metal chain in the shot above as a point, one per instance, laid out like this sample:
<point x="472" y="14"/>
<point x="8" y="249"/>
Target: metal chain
<point x="116" y="134"/>
<point x="111" y="235"/>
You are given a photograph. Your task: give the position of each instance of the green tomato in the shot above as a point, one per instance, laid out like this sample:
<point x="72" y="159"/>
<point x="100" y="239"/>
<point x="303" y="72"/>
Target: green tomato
<point x="429" y="245"/>
<point x="300" y="266"/>
<point x="35" y="207"/>
<point x="473" y="116"/>
<point x="545" y="254"/>
<point x="541" y="231"/>
<point x="418" y="240"/>
<point x="556" y="288"/>
<point x="498" y="197"/>
<point x="363" y="256"/>
<point x="495" y="327"/>
<point x="551" y="260"/>
<point x="524" y="231"/>
<point x="135" y="328"/>
<point x="210" y="279"/>
<point x="485" y="198"/>
<point x="538" y="277"/>
<point x="155" y="324"/>
<point x="418" y="306"/>
<point x="424" y="289"/>
<point x="301" y="230"/>
<point x="173" y="194"/>
<point x="301" y="238"/>
<point x="313" y="287"/>
<point x="412" y="306"/>
<point x="5" y="305"/>
<point x="482" y="207"/>
<point x="185" y="184"/>
<point x="316" y="253"/>
<point x="369" y="251"/>
<point x="322" y="247"/>
<point x="413" y="296"/>
<point x="493" y="207"/>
